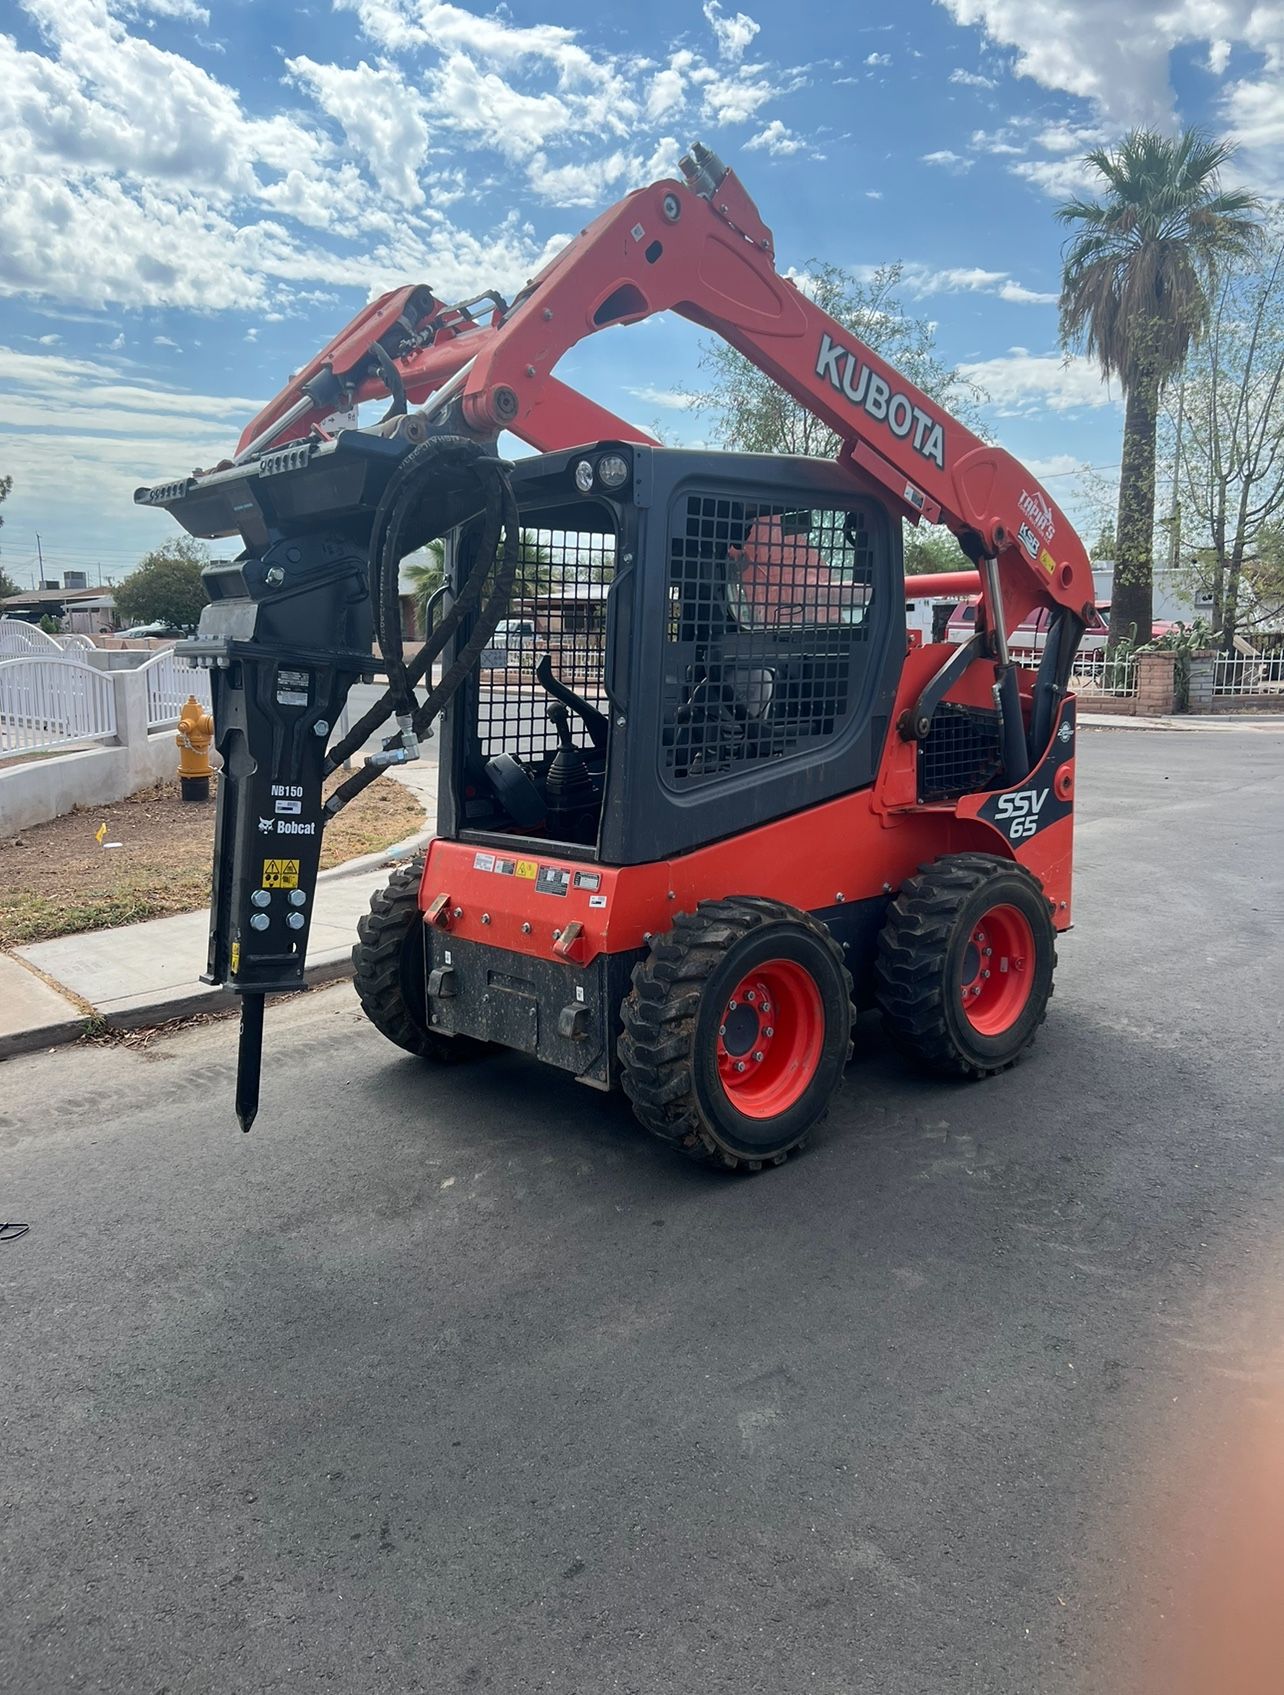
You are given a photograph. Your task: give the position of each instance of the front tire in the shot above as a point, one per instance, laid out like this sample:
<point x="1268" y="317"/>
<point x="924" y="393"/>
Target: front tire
<point x="965" y="964"/>
<point x="388" y="971"/>
<point x="736" y="1031"/>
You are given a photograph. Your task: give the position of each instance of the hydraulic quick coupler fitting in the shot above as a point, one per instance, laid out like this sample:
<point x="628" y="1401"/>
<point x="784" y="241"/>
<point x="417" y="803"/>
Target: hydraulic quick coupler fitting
<point x="195" y="733"/>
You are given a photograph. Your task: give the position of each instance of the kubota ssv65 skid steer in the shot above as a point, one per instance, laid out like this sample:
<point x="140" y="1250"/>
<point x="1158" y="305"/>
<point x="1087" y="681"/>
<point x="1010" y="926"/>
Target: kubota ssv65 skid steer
<point x="699" y="800"/>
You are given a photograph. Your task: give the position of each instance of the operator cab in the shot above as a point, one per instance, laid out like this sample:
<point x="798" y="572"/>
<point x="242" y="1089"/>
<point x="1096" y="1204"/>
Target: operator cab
<point x="695" y="641"/>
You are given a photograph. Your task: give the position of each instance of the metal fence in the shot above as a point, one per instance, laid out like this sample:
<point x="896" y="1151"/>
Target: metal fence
<point x="1095" y="674"/>
<point x="170" y="681"/>
<point x="50" y="702"/>
<point x="1249" y="674"/>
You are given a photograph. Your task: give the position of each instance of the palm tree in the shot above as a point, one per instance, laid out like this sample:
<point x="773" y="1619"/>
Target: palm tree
<point x="1137" y="284"/>
<point x="426" y="571"/>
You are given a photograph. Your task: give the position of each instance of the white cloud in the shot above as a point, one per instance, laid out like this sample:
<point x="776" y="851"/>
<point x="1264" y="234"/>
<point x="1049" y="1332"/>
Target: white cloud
<point x="948" y="160"/>
<point x="383" y="120"/>
<point x="1019" y="382"/>
<point x="672" y="399"/>
<point x="734" y="33"/>
<point x="776" y="139"/>
<point x="919" y="281"/>
<point x="970" y="79"/>
<point x="879" y="59"/>
<point x="1061" y="178"/>
<point x="1117" y="53"/>
<point x="184" y="10"/>
<point x="134" y="177"/>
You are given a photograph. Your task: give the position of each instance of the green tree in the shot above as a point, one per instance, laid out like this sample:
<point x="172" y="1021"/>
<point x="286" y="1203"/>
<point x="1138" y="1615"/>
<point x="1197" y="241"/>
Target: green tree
<point x="1105" y="547"/>
<point x="425" y="571"/>
<point x="7" y="584"/>
<point x="933" y="548"/>
<point x="753" y="414"/>
<point x="166" y="587"/>
<point x="1139" y="276"/>
<point x="1229" y="443"/>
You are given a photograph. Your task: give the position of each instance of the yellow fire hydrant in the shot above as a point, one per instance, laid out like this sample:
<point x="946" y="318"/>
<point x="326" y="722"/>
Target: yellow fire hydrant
<point x="195" y="733"/>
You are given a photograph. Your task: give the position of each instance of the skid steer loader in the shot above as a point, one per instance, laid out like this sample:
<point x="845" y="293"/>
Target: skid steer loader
<point x="712" y="802"/>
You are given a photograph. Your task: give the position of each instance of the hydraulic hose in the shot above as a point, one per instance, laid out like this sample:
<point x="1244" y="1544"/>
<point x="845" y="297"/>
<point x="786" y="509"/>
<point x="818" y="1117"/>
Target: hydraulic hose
<point x="400" y="510"/>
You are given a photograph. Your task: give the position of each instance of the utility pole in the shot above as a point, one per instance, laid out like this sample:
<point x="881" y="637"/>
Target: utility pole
<point x="40" y="581"/>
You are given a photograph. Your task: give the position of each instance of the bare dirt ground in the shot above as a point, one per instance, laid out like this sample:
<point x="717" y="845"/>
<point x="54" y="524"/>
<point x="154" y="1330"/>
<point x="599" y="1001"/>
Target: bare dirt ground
<point x="55" y="879"/>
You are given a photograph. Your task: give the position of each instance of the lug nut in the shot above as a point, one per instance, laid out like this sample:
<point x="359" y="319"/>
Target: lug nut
<point x="731" y="1006"/>
<point x="987" y="952"/>
<point x="758" y="1056"/>
<point x="722" y="1029"/>
<point x="751" y="997"/>
<point x="985" y="974"/>
<point x="769" y="1032"/>
<point x="740" y="1065"/>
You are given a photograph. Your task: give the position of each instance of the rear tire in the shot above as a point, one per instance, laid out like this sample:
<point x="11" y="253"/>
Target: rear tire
<point x="388" y="971"/>
<point x="965" y="964"/>
<point x="736" y="1031"/>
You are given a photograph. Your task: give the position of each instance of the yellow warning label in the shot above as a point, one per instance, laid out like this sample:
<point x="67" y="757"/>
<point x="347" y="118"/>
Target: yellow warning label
<point x="1047" y="561"/>
<point x="280" y="873"/>
<point x="527" y="868"/>
<point x="236" y="958"/>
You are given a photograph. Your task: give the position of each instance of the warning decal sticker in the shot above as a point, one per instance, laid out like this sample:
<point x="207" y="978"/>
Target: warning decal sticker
<point x="527" y="868"/>
<point x="280" y="874"/>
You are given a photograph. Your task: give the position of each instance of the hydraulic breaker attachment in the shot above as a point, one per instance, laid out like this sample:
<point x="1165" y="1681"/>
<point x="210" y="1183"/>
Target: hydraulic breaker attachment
<point x="285" y="636"/>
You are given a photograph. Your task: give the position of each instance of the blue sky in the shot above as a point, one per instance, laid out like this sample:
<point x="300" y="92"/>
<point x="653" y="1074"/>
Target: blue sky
<point x="196" y="197"/>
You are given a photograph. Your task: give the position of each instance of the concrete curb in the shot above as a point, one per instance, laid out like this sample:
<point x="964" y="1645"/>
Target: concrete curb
<point x="334" y="969"/>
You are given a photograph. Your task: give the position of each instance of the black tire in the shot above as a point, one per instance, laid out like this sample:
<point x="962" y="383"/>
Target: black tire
<point x="388" y="971"/>
<point x="675" y="1038"/>
<point x="928" y="946"/>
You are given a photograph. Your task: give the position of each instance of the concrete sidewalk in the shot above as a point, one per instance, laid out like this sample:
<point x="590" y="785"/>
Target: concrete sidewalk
<point x="140" y="974"/>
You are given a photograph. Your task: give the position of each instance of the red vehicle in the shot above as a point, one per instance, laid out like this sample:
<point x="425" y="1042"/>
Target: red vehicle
<point x="739" y="808"/>
<point x="1031" y="634"/>
<point x="1028" y="639"/>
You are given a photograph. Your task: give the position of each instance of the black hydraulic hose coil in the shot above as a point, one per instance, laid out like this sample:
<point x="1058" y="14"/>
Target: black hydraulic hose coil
<point x="408" y="489"/>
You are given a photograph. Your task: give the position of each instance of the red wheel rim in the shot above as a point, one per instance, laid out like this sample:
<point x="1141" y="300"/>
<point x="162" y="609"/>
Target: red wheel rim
<point x="997" y="973"/>
<point x="771" y="1031"/>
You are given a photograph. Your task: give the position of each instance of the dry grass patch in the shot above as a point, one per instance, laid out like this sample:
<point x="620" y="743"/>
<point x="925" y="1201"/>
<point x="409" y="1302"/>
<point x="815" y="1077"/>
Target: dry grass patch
<point x="55" y="880"/>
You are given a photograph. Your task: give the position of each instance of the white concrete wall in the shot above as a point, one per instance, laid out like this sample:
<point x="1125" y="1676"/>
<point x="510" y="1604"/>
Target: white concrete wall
<point x="46" y="788"/>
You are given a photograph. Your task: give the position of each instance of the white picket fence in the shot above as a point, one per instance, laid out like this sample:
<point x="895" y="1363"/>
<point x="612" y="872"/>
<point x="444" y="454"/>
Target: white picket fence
<point x="48" y="703"/>
<point x="170" y="682"/>
<point x="18" y="639"/>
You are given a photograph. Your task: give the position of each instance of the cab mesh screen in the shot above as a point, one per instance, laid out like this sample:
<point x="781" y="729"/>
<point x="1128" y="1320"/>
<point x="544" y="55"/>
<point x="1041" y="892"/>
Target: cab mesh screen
<point x="960" y="755"/>
<point x="766" y="639"/>
<point x="558" y="611"/>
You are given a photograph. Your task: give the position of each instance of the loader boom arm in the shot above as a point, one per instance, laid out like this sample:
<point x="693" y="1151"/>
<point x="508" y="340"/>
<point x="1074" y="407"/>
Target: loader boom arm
<point x="700" y="249"/>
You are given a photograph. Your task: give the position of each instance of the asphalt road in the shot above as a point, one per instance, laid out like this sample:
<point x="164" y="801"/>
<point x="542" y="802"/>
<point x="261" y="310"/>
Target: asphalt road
<point x="454" y="1381"/>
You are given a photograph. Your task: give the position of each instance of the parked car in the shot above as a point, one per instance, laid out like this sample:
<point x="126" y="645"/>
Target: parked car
<point x="136" y="632"/>
<point x="1030" y="636"/>
<point x="518" y="635"/>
